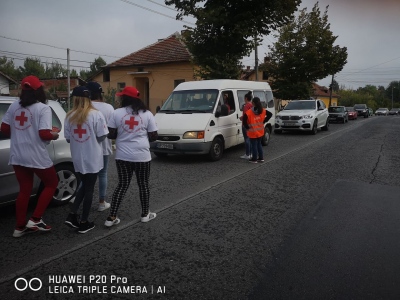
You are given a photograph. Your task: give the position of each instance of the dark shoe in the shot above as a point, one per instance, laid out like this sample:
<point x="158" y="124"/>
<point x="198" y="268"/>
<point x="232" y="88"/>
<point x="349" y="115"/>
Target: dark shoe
<point x="85" y="227"/>
<point x="252" y="161"/>
<point x="72" y="221"/>
<point x="39" y="225"/>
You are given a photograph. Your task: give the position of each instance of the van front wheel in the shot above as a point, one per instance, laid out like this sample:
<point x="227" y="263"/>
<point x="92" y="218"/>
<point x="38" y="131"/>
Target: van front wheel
<point x="216" y="150"/>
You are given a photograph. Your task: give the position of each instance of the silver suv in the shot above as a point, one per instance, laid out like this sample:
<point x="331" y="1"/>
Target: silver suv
<point x="59" y="151"/>
<point x="303" y="115"/>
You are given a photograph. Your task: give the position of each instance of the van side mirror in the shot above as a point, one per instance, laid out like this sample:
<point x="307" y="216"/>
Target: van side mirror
<point x="158" y="108"/>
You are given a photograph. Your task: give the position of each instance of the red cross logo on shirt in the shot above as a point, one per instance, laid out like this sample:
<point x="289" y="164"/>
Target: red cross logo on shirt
<point x="131" y="123"/>
<point x="80" y="131"/>
<point x="22" y="119"/>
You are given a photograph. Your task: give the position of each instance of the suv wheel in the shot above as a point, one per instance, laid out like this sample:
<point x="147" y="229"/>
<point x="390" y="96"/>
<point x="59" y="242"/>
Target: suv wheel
<point x="68" y="183"/>
<point x="314" y="129"/>
<point x="326" y="127"/>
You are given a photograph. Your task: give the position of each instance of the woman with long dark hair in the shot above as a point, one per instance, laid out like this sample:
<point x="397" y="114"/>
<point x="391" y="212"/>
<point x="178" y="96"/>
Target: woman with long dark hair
<point x="132" y="126"/>
<point x="254" y="120"/>
<point x="28" y="122"/>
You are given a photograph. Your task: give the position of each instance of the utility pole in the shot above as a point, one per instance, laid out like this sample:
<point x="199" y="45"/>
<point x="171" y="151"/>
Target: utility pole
<point x="330" y="90"/>
<point x="69" y="83"/>
<point x="256" y="57"/>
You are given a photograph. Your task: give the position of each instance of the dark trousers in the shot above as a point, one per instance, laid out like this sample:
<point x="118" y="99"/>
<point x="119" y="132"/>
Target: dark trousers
<point x="85" y="194"/>
<point x="256" y="148"/>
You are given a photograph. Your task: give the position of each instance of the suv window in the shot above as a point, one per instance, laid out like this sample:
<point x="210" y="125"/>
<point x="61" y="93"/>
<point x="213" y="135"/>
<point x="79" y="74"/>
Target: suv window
<point x="360" y="106"/>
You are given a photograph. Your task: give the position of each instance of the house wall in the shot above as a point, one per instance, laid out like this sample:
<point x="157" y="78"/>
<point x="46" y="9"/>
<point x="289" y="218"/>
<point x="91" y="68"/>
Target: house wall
<point x="155" y="83"/>
<point x="4" y="86"/>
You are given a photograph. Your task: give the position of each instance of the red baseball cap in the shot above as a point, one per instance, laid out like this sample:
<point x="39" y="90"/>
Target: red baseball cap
<point x="31" y="82"/>
<point x="129" y="91"/>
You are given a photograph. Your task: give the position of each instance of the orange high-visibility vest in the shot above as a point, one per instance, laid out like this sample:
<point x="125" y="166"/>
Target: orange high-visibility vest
<point x="256" y="125"/>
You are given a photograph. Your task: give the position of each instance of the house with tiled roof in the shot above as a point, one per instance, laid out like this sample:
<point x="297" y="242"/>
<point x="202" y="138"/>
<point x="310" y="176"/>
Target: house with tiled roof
<point x="323" y="93"/>
<point x="154" y="70"/>
<point x="5" y="83"/>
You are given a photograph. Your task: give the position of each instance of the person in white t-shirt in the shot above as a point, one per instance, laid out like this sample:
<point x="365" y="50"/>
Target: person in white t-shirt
<point x="133" y="126"/>
<point x="85" y="128"/>
<point x="107" y="110"/>
<point x="28" y="123"/>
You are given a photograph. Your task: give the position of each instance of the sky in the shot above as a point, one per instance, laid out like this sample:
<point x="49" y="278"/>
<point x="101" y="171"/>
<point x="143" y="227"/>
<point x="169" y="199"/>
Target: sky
<point x="370" y="29"/>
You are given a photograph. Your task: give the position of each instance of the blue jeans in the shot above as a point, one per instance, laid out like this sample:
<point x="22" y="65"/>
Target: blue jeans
<point x="103" y="179"/>
<point x="256" y="147"/>
<point x="247" y="143"/>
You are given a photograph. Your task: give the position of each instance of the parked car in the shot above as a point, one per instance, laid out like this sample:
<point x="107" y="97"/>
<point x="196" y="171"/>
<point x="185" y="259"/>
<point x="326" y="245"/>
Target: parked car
<point x="59" y="151"/>
<point x="303" y="115"/>
<point x="394" y="111"/>
<point x="353" y="115"/>
<point x="338" y="114"/>
<point x="362" y="110"/>
<point x="382" y="112"/>
<point x="370" y="112"/>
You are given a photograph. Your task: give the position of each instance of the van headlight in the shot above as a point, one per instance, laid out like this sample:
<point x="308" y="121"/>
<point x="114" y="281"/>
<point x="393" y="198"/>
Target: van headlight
<point x="193" y="135"/>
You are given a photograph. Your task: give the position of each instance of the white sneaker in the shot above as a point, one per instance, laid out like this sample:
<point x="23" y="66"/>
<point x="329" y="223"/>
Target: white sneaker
<point x="245" y="156"/>
<point x="149" y="217"/>
<point x="110" y="222"/>
<point x="103" y="206"/>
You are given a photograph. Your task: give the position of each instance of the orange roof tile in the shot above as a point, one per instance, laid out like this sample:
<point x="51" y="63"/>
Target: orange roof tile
<point x="170" y="49"/>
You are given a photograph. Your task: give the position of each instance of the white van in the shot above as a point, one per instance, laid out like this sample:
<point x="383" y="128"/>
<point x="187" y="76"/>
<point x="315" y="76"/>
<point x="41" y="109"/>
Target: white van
<point x="195" y="120"/>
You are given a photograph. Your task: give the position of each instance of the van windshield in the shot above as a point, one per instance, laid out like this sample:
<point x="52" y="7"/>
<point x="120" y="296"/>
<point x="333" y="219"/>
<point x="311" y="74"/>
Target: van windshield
<point x="191" y="101"/>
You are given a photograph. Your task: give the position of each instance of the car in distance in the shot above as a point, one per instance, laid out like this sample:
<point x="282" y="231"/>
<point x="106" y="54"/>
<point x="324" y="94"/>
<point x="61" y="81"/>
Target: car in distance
<point x="362" y="110"/>
<point x="353" y="115"/>
<point x="302" y="115"/>
<point x="338" y="114"/>
<point x="59" y="152"/>
<point x="382" y="112"/>
<point x="394" y="111"/>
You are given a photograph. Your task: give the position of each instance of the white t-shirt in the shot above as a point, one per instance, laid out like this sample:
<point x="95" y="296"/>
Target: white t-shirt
<point x="27" y="148"/>
<point x="86" y="151"/>
<point x="132" y="140"/>
<point x="107" y="110"/>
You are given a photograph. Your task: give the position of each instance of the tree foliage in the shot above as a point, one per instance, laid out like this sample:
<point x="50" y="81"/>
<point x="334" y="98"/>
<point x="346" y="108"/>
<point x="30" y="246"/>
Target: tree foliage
<point x="95" y="67"/>
<point x="304" y="53"/>
<point x="226" y="29"/>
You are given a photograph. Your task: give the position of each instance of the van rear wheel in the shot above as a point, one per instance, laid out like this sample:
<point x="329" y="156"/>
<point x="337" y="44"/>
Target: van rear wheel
<point x="266" y="137"/>
<point x="217" y="149"/>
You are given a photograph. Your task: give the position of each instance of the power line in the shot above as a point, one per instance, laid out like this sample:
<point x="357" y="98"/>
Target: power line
<point x="156" y="12"/>
<point x="162" y="5"/>
<point x="83" y="67"/>
<point x="10" y="52"/>
<point x="56" y="47"/>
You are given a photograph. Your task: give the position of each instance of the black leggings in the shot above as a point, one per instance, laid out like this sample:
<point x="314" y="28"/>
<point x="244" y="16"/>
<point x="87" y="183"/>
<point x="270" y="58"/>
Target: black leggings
<point x="85" y="194"/>
<point x="125" y="172"/>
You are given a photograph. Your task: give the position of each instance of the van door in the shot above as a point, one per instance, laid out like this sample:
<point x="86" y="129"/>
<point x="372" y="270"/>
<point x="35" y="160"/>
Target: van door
<point x="229" y="124"/>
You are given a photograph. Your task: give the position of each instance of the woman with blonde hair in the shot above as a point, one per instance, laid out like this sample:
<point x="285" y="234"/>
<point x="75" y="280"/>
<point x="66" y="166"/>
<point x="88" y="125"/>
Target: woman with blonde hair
<point x="85" y="129"/>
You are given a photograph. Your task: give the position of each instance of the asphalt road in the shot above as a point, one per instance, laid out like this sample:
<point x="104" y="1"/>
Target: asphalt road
<point x="220" y="226"/>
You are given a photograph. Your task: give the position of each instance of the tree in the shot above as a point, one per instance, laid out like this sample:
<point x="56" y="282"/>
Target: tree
<point x="7" y="67"/>
<point x="95" y="67"/>
<point x="225" y="31"/>
<point x="303" y="54"/>
<point x="32" y="66"/>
